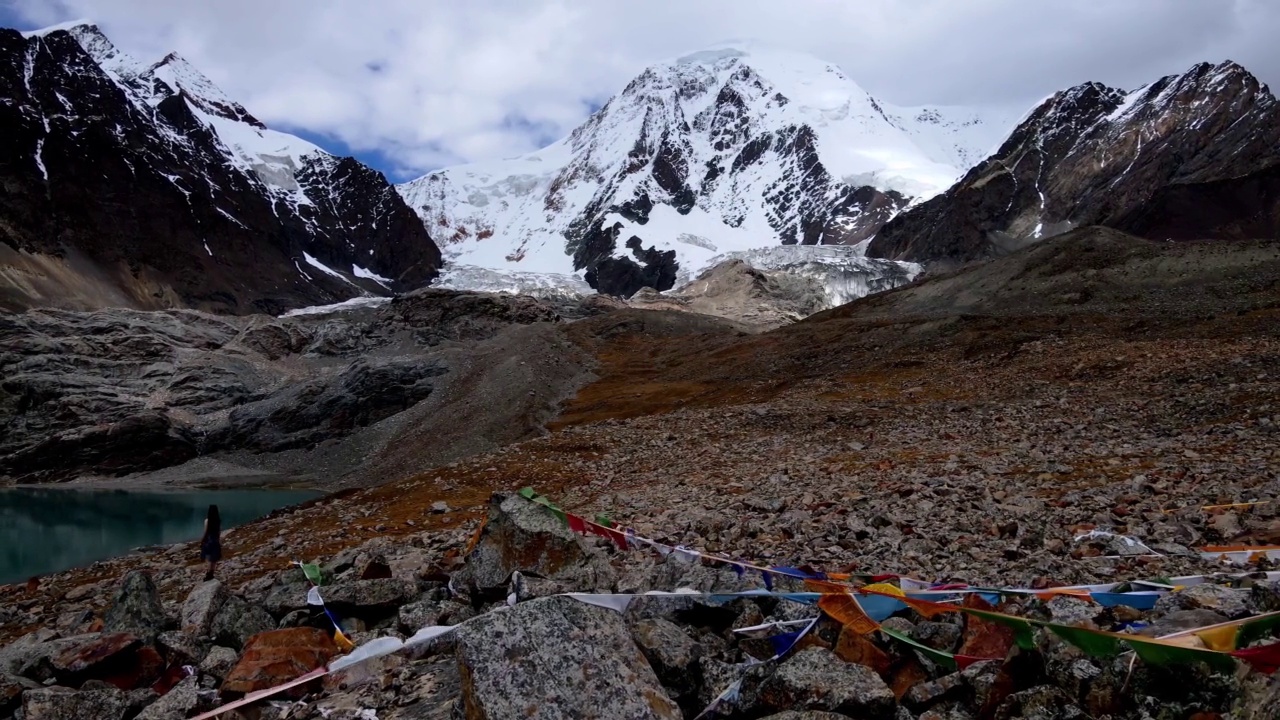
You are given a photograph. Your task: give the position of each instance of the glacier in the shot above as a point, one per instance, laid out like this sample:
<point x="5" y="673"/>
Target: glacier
<point x="844" y="272"/>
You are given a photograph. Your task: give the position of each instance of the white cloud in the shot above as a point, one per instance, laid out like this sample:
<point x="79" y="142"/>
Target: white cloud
<point x="433" y="82"/>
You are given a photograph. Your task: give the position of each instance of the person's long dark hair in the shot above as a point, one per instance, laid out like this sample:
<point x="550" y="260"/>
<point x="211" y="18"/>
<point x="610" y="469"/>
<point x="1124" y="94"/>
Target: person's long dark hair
<point x="215" y="522"/>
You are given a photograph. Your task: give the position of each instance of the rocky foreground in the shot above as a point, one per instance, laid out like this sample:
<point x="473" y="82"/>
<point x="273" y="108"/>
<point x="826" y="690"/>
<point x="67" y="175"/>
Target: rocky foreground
<point x="974" y="427"/>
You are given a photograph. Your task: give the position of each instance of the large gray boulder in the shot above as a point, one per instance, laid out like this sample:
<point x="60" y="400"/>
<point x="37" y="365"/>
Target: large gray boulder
<point x="288" y="592"/>
<point x="136" y="608"/>
<point x="19" y="655"/>
<point x="673" y="655"/>
<point x="817" y="679"/>
<point x="524" y="536"/>
<point x="202" y="606"/>
<point x="361" y="597"/>
<point x="238" y="621"/>
<point x="556" y="658"/>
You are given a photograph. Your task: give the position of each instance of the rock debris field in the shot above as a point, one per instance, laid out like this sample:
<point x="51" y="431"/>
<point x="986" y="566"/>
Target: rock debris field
<point x="1067" y="428"/>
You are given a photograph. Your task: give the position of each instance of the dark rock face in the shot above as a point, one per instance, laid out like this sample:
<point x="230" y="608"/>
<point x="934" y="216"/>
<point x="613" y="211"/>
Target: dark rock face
<point x="111" y="200"/>
<point x="1190" y="156"/>
<point x="76" y="388"/>
<point x="624" y="276"/>
<point x="1232" y="209"/>
<point x="360" y="395"/>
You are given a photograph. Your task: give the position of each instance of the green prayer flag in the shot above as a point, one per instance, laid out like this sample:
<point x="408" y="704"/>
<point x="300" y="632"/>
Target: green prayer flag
<point x="1156" y="653"/>
<point x="1091" y="642"/>
<point x="1257" y="628"/>
<point x="528" y="493"/>
<point x="943" y="659"/>
<point x="603" y="519"/>
<point x="312" y="571"/>
<point x="1023" y="632"/>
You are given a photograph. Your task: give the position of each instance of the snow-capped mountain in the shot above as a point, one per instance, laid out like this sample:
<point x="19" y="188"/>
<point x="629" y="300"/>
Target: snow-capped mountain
<point x="144" y="184"/>
<point x="730" y="149"/>
<point x="1195" y="155"/>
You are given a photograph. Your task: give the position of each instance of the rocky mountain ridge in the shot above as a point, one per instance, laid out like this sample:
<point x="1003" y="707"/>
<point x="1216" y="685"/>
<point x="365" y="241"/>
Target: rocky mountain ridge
<point x="1191" y="156"/>
<point x="729" y="149"/>
<point x="144" y="185"/>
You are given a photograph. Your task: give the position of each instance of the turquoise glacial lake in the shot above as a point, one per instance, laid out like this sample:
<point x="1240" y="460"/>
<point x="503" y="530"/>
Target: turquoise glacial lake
<point x="48" y="530"/>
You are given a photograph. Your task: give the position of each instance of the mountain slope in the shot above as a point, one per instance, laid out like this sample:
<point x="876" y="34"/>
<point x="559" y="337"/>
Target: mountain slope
<point x="146" y="186"/>
<point x="1097" y="155"/>
<point x="730" y="149"/>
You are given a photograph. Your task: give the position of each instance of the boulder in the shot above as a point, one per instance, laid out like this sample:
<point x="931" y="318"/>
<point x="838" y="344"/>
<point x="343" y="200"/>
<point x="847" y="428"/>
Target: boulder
<point x="277" y="656"/>
<point x="136" y="608"/>
<point x="366" y="597"/>
<point x="219" y="661"/>
<point x="176" y="704"/>
<point x="555" y="658"/>
<point x="1181" y="620"/>
<point x="117" y="658"/>
<point x="989" y="684"/>
<point x="673" y="655"/>
<point x="815" y="679"/>
<point x="60" y="703"/>
<point x="11" y="689"/>
<point x="1232" y="602"/>
<point x="413" y="617"/>
<point x="944" y="636"/>
<point x="806" y="715"/>
<point x="1069" y="610"/>
<point x="1045" y="702"/>
<point x="21" y="654"/>
<point x="984" y="638"/>
<point x="238" y="621"/>
<point x="927" y="694"/>
<point x="524" y="536"/>
<point x="180" y="648"/>
<point x="289" y="591"/>
<point x="202" y="606"/>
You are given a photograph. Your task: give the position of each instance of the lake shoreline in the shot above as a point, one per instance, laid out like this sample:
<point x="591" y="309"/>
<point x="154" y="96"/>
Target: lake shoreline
<point x="205" y="473"/>
<point x="47" y="529"/>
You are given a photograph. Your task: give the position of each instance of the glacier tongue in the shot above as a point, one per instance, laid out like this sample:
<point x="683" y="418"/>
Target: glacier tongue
<point x="844" y="272"/>
<point x="540" y="285"/>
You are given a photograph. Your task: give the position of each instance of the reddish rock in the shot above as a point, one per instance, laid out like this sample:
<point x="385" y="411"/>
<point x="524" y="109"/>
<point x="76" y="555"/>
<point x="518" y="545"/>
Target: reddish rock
<point x="96" y="652"/>
<point x="116" y="658"/>
<point x="858" y="648"/>
<point x="278" y="656"/>
<point x="140" y="668"/>
<point x="906" y="675"/>
<point x="983" y="638"/>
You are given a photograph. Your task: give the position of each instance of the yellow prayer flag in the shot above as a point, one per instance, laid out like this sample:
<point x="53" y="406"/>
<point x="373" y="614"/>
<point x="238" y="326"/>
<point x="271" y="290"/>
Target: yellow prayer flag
<point x="1222" y="639"/>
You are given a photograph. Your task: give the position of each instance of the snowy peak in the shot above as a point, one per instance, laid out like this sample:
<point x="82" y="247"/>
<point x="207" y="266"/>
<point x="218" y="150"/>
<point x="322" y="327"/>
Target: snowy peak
<point x="177" y="75"/>
<point x="729" y="149"/>
<point x="154" y="82"/>
<point x="1093" y="154"/>
<point x="166" y="192"/>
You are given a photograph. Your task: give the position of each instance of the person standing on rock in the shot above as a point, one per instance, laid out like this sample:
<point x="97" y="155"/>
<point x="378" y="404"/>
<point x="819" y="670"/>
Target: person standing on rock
<point x="211" y="543"/>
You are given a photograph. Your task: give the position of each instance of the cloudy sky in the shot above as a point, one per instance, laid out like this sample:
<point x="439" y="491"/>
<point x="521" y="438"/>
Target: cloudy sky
<point x="412" y="85"/>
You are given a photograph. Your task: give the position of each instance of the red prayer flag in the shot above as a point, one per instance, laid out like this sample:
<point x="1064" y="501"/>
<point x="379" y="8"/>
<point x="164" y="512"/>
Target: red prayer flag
<point x="576" y="523"/>
<point x="1264" y="658"/>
